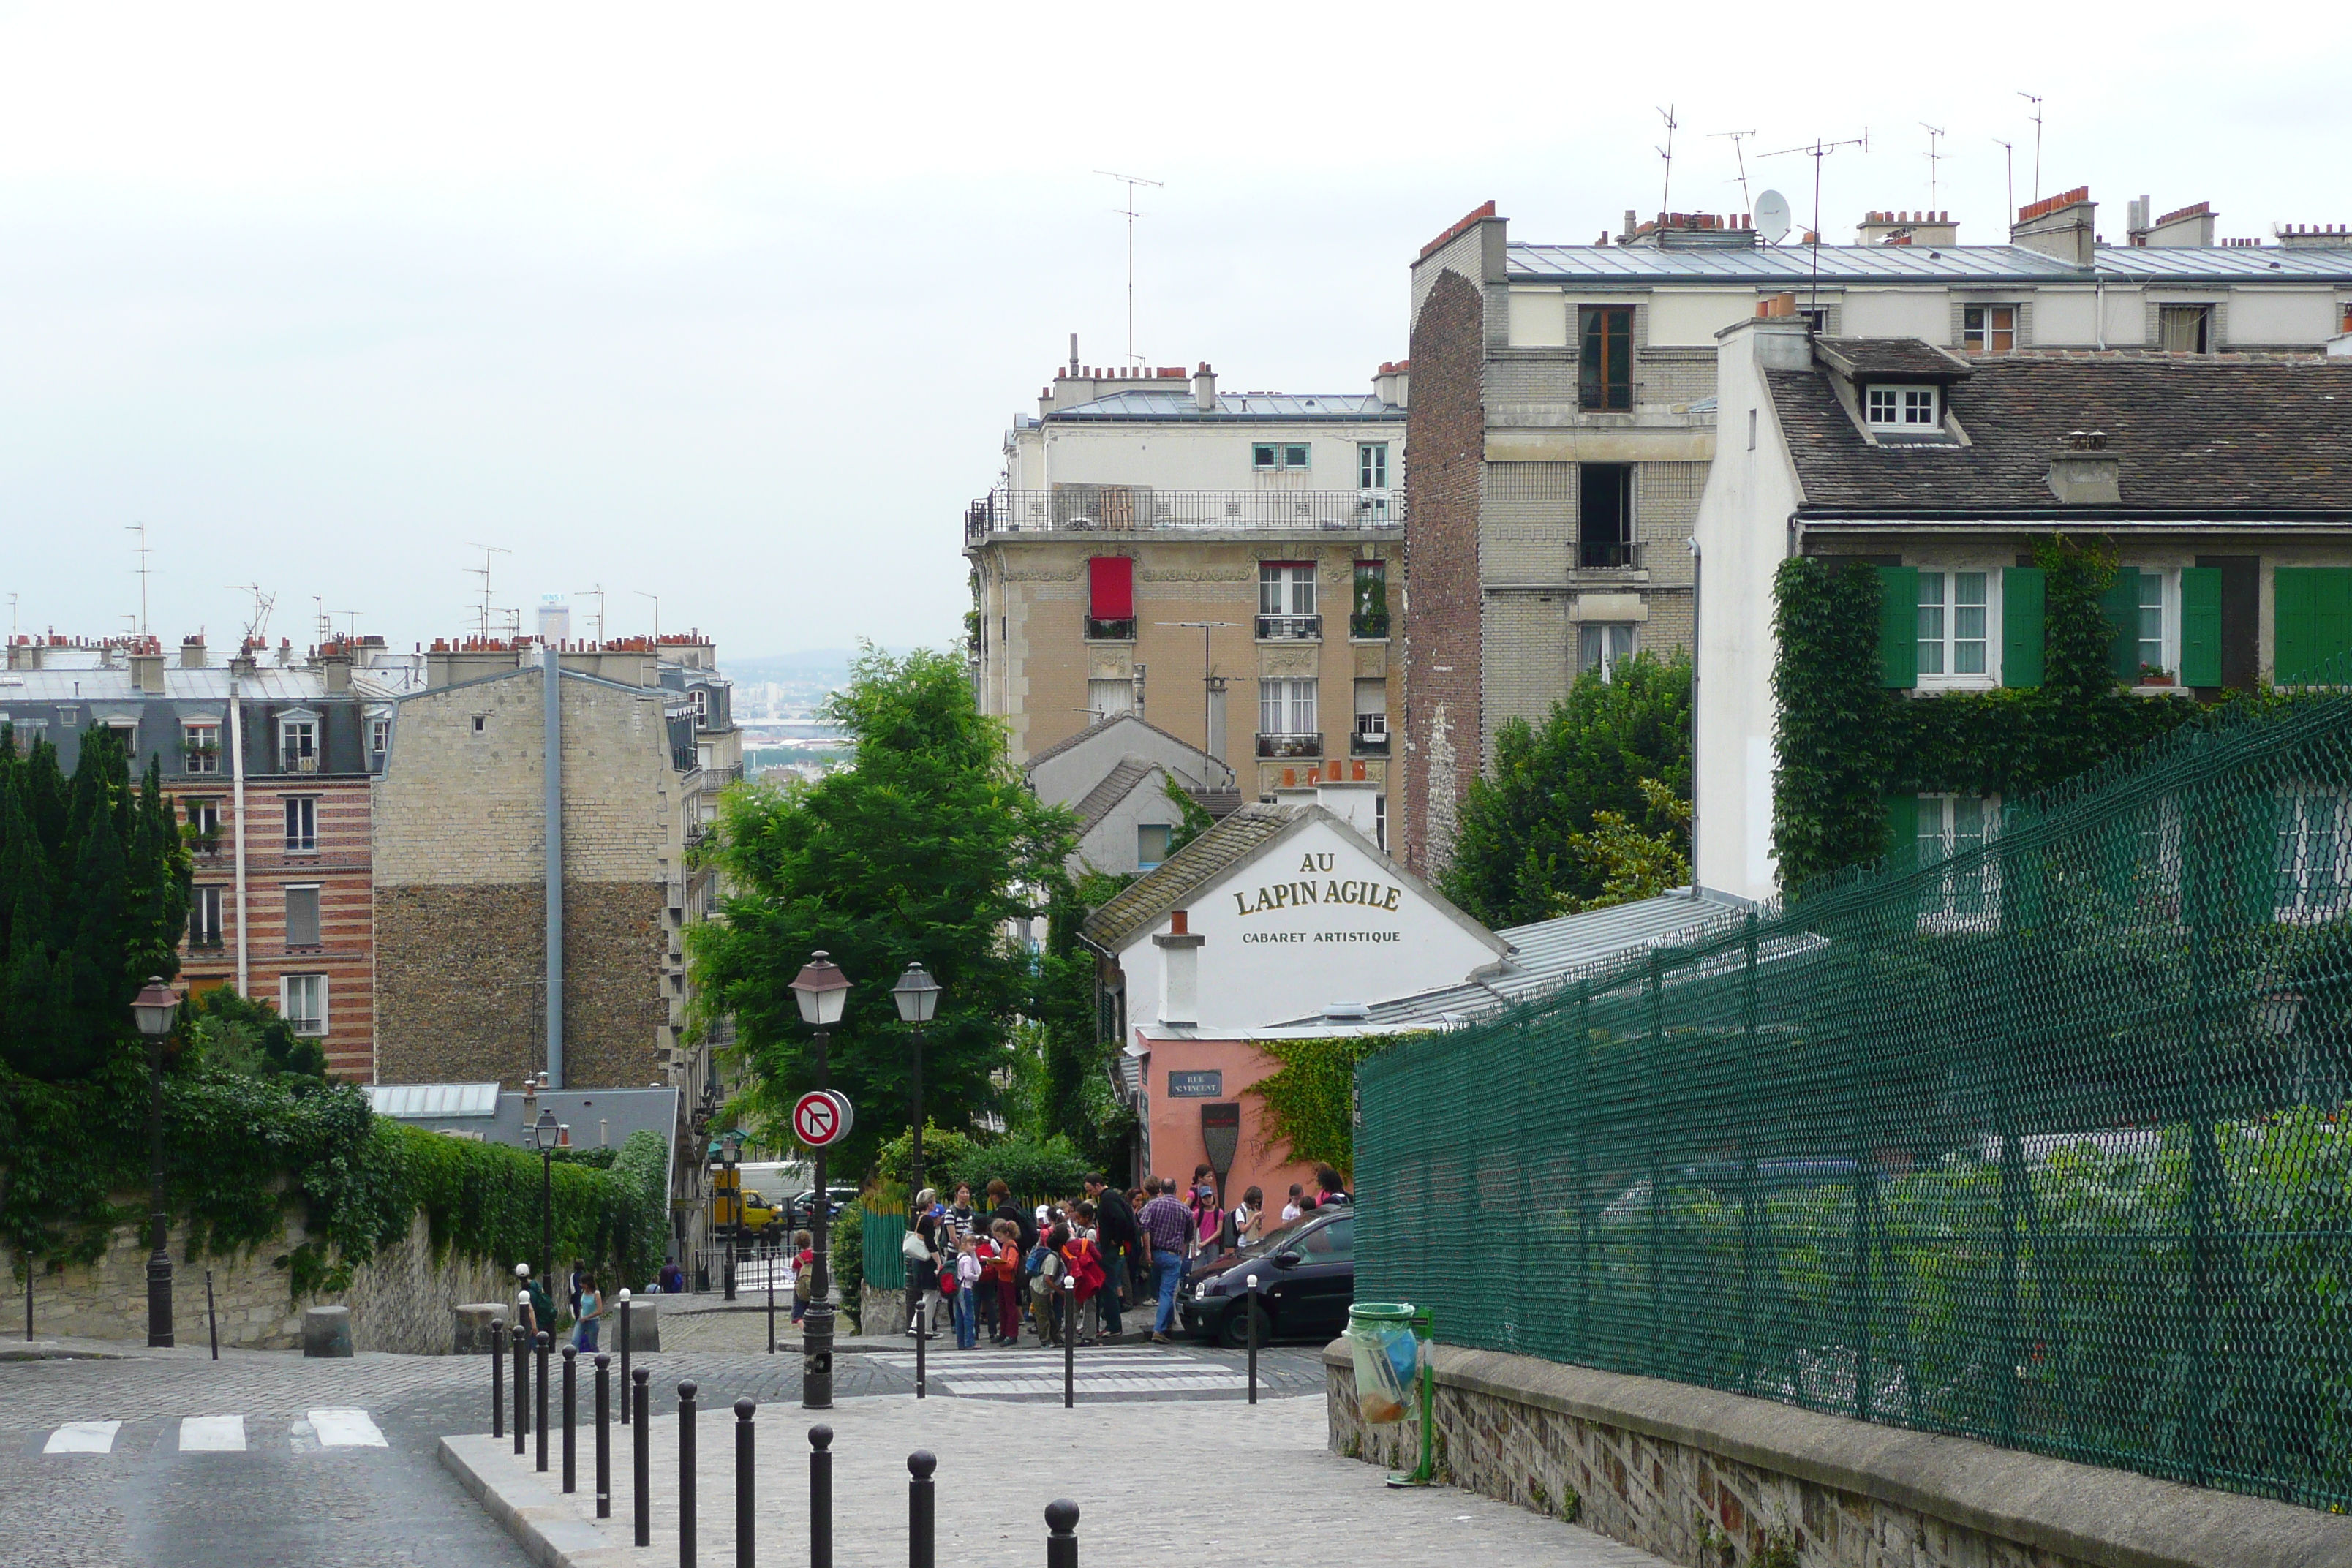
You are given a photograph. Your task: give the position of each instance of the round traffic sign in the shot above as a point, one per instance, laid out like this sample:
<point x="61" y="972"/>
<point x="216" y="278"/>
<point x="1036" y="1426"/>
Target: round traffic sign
<point x="821" y="1118"/>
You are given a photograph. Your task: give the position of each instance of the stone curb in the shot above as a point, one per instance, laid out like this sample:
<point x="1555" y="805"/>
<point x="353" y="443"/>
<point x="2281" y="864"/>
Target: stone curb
<point x="529" y="1508"/>
<point x="2115" y="1518"/>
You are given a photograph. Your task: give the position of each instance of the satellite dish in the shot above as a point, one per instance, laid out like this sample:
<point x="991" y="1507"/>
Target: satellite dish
<point x="1772" y="216"/>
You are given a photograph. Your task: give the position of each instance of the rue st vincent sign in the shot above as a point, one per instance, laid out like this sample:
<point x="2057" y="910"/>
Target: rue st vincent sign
<point x="1315" y="889"/>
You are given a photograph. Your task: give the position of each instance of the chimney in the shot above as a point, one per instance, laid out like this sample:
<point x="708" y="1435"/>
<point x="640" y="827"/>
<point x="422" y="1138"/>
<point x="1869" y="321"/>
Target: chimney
<point x="2084" y="473"/>
<point x="2313" y="236"/>
<point x="2180" y="229"/>
<point x="1352" y="802"/>
<point x="2062" y="225"/>
<point x="23" y="654"/>
<point x="1074" y="356"/>
<point x="1920" y="228"/>
<point x="1393" y="384"/>
<point x="192" y="652"/>
<point x="1204" y="389"/>
<point x="1180" y="971"/>
<point x="147" y="670"/>
<point x="335" y="665"/>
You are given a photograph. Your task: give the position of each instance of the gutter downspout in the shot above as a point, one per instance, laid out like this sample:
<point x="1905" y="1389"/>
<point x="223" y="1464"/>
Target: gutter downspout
<point x="551" y="667"/>
<point x="237" y="776"/>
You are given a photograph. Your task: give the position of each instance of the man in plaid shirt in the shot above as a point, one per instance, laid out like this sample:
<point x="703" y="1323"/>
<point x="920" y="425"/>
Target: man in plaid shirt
<point x="1167" y="1227"/>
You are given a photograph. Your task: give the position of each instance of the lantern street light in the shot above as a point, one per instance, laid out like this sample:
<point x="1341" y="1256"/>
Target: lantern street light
<point x="823" y="991"/>
<point x="156" y="1008"/>
<point x="544" y="1134"/>
<point x="917" y="997"/>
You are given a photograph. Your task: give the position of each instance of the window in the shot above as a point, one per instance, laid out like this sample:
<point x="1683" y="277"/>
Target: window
<point x="1604" y="364"/>
<point x="1601" y="645"/>
<point x="379" y="741"/>
<point x="1372" y="466"/>
<point x="1369" y="617"/>
<point x="1110" y="699"/>
<point x="204" y="917"/>
<point x="2151" y="622"/>
<point x="1604" y="516"/>
<point x="2314" y="854"/>
<point x="200" y="748"/>
<point x="1955" y="615"/>
<point x="1269" y="457"/>
<point x="301" y="824"/>
<point x="302" y="916"/>
<point x="1951" y="827"/>
<point x="1151" y="845"/>
<point x="1110" y="598"/>
<point x="481" y="724"/>
<point x="302" y="999"/>
<point x="298" y="745"/>
<point x="1371" y="734"/>
<point x="1900" y="407"/>
<point x="1751" y="429"/>
<point x="203" y="818"/>
<point x="699" y="700"/>
<point x="1380" y="822"/>
<point x="1989" y="329"/>
<point x="68" y="717"/>
<point x="1286" y="600"/>
<point x="1285" y="707"/>
<point x="2184" y="329"/>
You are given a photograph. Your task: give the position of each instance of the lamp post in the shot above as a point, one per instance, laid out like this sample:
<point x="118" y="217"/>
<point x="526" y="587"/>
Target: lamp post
<point x="155" y="1008"/>
<point x="822" y="990"/>
<point x="917" y="997"/>
<point x="543" y="1135"/>
<point x="730" y="1150"/>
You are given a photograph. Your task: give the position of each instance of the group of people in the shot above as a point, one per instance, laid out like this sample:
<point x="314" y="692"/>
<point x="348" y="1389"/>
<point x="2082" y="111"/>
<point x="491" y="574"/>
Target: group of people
<point x="585" y="1297"/>
<point x="1073" y="1268"/>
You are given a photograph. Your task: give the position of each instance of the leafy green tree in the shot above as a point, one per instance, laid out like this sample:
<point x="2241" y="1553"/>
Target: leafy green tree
<point x="1518" y="857"/>
<point x="238" y="1034"/>
<point x="927" y="847"/>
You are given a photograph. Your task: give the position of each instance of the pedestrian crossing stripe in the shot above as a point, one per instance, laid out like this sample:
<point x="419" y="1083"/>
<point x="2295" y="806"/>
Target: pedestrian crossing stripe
<point x="1112" y="1384"/>
<point x="83" y="1437"/>
<point x="212" y="1434"/>
<point x="324" y="1428"/>
<point x="346" y="1430"/>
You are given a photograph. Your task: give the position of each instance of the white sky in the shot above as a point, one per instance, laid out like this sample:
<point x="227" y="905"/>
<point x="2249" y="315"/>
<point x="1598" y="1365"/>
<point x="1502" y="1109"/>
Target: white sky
<point x="732" y="303"/>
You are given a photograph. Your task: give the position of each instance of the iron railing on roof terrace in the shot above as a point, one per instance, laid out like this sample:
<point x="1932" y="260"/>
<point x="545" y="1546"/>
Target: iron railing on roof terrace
<point x="1114" y="509"/>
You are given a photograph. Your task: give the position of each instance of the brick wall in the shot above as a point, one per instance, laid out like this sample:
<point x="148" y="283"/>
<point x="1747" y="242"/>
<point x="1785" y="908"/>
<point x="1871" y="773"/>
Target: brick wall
<point x="1442" y="619"/>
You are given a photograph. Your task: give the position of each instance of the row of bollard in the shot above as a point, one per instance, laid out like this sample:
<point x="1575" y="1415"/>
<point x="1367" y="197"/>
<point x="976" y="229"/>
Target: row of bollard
<point x="1061" y="1516"/>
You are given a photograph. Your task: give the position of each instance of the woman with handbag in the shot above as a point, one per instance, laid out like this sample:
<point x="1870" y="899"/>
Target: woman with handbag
<point x="920" y="1249"/>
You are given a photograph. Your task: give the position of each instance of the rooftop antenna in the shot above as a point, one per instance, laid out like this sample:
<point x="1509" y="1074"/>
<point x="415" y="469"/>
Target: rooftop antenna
<point x="1130" y="181"/>
<point x="2009" y="156"/>
<point x="1746" y="208"/>
<point x="2035" y="98"/>
<point x="12" y="617"/>
<point x="262" y="605"/>
<point x="1666" y="190"/>
<point x="326" y="622"/>
<point x="1818" y="151"/>
<point x="483" y="572"/>
<point x="599" y="590"/>
<point x="1211" y="684"/>
<point x="657" y="599"/>
<point x="351" y="624"/>
<point x="1934" y="156"/>
<point x="141" y="529"/>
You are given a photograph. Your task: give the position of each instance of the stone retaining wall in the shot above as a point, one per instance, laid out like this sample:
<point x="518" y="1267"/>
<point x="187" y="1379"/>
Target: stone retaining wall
<point x="1714" y="1480"/>
<point x="401" y="1301"/>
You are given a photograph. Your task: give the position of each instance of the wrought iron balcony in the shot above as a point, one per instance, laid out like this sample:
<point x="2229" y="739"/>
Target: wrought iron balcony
<point x="1111" y="631"/>
<point x="1290" y="628"/>
<point x="1608" y="555"/>
<point x="1289" y="746"/>
<point x="1371" y="627"/>
<point x="300" y="763"/>
<point x="1122" y="509"/>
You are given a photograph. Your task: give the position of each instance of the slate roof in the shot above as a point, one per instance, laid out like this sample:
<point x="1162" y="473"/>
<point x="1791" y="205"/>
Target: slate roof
<point x="1115" y="786"/>
<point x="1639" y="266"/>
<point x="1874" y="358"/>
<point x="2195" y="436"/>
<point x="1058" y="747"/>
<point x="1145" y="903"/>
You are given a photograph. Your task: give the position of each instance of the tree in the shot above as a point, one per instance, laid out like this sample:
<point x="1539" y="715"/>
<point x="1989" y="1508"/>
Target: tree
<point x="238" y="1034"/>
<point x="926" y="848"/>
<point x="1532" y="842"/>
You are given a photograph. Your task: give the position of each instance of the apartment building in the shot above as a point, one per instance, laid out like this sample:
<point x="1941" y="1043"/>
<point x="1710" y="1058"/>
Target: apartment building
<point x="1565" y="413"/>
<point x="1207" y="560"/>
<point x="269" y="759"/>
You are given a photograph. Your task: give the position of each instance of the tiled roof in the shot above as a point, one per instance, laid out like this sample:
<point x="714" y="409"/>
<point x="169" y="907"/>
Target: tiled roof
<point x="1145" y="903"/>
<point x="1115" y="786"/>
<point x="2197" y="436"/>
<point x="1870" y="358"/>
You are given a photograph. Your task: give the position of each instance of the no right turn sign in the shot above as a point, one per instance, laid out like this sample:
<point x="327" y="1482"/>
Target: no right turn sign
<point x="821" y="1118"/>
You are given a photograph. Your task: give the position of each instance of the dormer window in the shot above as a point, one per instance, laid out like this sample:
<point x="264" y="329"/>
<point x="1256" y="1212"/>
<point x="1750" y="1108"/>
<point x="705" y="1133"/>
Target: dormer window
<point x="1901" y="408"/>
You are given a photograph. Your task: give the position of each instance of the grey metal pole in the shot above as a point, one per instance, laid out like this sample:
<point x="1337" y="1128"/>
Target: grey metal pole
<point x="816" y="1323"/>
<point x="521" y="1376"/>
<point x="643" y="1467"/>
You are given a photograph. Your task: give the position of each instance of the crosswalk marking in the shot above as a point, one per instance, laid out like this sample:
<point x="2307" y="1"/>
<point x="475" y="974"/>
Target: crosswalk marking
<point x="83" y="1437"/>
<point x="346" y="1430"/>
<point x="212" y="1434"/>
<point x="1093" y="1385"/>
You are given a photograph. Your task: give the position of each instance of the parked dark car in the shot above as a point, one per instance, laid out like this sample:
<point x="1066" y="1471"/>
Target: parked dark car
<point x="1306" y="1279"/>
<point x="803" y="1205"/>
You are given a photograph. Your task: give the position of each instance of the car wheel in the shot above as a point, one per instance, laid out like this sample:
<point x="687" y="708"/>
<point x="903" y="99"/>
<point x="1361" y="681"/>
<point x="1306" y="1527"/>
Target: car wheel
<point x="1234" y="1332"/>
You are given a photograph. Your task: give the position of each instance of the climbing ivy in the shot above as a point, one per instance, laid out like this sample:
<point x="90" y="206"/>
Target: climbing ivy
<point x="1310" y="1102"/>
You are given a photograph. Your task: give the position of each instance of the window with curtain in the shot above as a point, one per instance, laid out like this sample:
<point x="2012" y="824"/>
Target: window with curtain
<point x="302" y="999"/>
<point x="1952" y="826"/>
<point x="1955" y="623"/>
<point x="302" y="917"/>
<point x="1285" y="707"/>
<point x="1110" y="699"/>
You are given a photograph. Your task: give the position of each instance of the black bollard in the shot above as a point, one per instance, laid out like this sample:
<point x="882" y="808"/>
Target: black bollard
<point x="686" y="1392"/>
<point x="212" y="1313"/>
<point x="1250" y="1306"/>
<point x="624" y="1355"/>
<point x="771" y="1304"/>
<point x="498" y="1377"/>
<point x="922" y="1335"/>
<point x="570" y="1413"/>
<point x="1069" y="1341"/>
<point x="522" y="1385"/>
<point x="1062" y="1534"/>
<point x="920" y="1504"/>
<point x="540" y="1446"/>
<point x="743" y="1482"/>
<point x="603" y="1436"/>
<point x="816" y="1357"/>
<point x="820" y="1496"/>
<point x="643" y="1475"/>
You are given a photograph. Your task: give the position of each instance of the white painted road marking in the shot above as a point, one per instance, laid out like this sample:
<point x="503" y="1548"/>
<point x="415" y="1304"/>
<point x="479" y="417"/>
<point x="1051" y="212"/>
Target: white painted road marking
<point x="83" y="1437"/>
<point x="212" y="1434"/>
<point x="346" y="1430"/>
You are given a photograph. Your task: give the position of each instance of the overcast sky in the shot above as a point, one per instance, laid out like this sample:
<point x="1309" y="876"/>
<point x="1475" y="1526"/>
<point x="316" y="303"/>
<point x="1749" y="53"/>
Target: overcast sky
<point x="732" y="304"/>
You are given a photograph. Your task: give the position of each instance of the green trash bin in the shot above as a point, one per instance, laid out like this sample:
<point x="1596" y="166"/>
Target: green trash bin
<point x="1385" y="1341"/>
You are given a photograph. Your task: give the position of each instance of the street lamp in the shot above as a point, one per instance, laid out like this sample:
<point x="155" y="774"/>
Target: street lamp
<point x="157" y="1009"/>
<point x="543" y="1135"/>
<point x="918" y="995"/>
<point x="823" y="991"/>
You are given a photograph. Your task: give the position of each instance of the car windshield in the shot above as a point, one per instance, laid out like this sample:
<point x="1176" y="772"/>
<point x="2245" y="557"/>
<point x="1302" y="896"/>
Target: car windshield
<point x="1295" y="1235"/>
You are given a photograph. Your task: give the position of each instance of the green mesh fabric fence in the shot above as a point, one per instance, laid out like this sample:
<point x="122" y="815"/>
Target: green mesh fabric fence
<point x="2042" y="1144"/>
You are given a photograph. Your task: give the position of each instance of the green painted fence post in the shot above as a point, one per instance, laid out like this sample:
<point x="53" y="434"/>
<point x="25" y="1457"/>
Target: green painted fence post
<point x="1654" y="1037"/>
<point x="1748" y="1239"/>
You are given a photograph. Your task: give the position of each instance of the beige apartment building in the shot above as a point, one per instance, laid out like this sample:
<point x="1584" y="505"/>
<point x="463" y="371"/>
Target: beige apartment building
<point x="1222" y="564"/>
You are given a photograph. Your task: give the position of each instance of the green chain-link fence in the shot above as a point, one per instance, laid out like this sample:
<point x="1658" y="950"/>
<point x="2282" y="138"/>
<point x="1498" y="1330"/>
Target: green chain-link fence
<point x="2043" y="1143"/>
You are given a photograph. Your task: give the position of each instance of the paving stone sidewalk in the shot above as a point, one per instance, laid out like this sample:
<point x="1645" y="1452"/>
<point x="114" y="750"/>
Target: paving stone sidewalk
<point x="1163" y="1482"/>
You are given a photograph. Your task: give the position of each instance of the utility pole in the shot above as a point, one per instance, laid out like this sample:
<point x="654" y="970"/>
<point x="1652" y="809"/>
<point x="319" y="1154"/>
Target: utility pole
<point x="1131" y="182"/>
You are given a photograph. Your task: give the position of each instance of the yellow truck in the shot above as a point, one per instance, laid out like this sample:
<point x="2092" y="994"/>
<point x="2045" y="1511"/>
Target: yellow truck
<point x="731" y="1200"/>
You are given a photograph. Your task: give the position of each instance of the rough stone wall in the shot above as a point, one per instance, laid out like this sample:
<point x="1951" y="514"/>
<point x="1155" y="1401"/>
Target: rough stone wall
<point x="613" y="940"/>
<point x="400" y="1301"/>
<point x="1442" y="619"/>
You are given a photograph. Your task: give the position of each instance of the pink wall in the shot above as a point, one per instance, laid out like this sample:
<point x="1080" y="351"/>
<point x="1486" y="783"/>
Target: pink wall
<point x="1176" y="1145"/>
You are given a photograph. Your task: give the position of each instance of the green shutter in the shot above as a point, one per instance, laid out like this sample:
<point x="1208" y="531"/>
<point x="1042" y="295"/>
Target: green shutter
<point x="2120" y="604"/>
<point x="1899" y="627"/>
<point x="2332" y="613"/>
<point x="2021" y="599"/>
<point x="1902" y="832"/>
<point x="2201" y="625"/>
<point x="2311" y="622"/>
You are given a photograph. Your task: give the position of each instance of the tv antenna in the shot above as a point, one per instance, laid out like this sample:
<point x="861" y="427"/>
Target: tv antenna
<point x="657" y="599"/>
<point x="262" y="605"/>
<point x="599" y="590"/>
<point x="141" y="550"/>
<point x="1934" y="156"/>
<point x="351" y="624"/>
<point x="12" y="617"/>
<point x="1818" y="151"/>
<point x="1746" y="208"/>
<point x="2009" y="156"/>
<point x="483" y="572"/>
<point x="1211" y="684"/>
<point x="1131" y="182"/>
<point x="326" y="622"/>
<point x="2035" y="98"/>
<point x="1666" y="190"/>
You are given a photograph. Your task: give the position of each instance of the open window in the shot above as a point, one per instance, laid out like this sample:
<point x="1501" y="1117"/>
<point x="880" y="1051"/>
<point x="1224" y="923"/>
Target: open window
<point x="2184" y="329"/>
<point x="1605" y="368"/>
<point x="1110" y="598"/>
<point x="1604" y="516"/>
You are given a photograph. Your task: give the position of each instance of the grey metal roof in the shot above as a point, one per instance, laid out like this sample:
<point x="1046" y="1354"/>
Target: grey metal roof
<point x="1247" y="406"/>
<point x="266" y="684"/>
<point x="611" y="1114"/>
<point x="1787" y="264"/>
